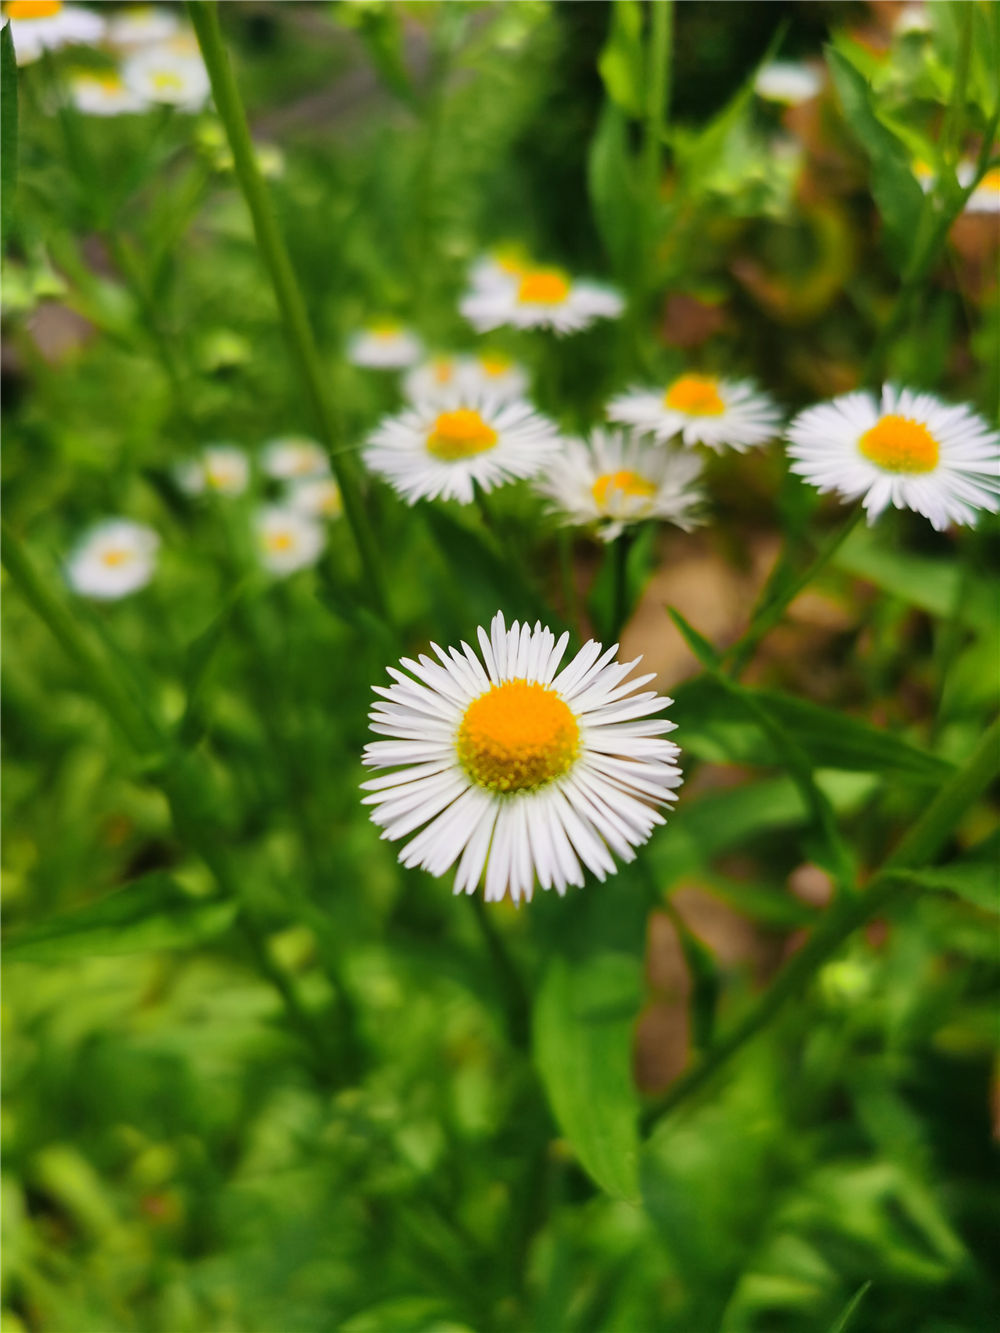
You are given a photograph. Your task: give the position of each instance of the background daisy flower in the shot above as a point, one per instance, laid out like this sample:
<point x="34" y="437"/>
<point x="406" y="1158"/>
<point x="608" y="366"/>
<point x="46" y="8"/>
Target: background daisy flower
<point x="985" y="198"/>
<point x="384" y="345"/>
<point x="221" y="467"/>
<point x="319" y="497"/>
<point x="486" y="373"/>
<point x="500" y="266"/>
<point x="113" y="559"/>
<point x="141" y="25"/>
<point x="788" y="82"/>
<point x="443" y="449"/>
<point x="294" y="456"/>
<point x="164" y="75"/>
<point x="615" y="479"/>
<point x="541" y="298"/>
<point x="701" y="409"/>
<point x="515" y="769"/>
<point x="910" y="450"/>
<point x="47" y="25"/>
<point x="287" y="539"/>
<point x="104" y="95"/>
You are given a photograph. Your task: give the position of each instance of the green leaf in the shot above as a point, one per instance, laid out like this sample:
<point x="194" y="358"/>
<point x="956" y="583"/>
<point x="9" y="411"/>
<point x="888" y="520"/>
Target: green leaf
<point x="640" y="560"/>
<point x="8" y="130"/>
<point x="488" y="579"/>
<point x="699" y="645"/>
<point x="846" y="1317"/>
<point x="976" y="882"/>
<point x="620" y="63"/>
<point x="611" y="185"/>
<point x="153" y="913"/>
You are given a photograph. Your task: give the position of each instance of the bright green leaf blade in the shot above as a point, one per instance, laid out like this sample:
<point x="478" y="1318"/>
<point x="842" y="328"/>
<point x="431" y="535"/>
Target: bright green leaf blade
<point x="699" y="645"/>
<point x="611" y="186"/>
<point x="8" y="130"/>
<point x="620" y="63"/>
<point x="846" y="1317"/>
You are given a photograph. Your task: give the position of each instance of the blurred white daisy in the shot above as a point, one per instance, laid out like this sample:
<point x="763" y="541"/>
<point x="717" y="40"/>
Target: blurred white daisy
<point x="287" y="539"/>
<point x="910" y="450"/>
<point x="443" y="449"/>
<point x="701" y="409"/>
<point x="501" y="266"/>
<point x="487" y="373"/>
<point x="985" y="198"/>
<point x="104" y="95"/>
<point x="141" y="25"/>
<point x="164" y="75"/>
<point x="518" y="771"/>
<point x="221" y="467"/>
<point x="788" y="83"/>
<point x="913" y="18"/>
<point x="319" y="497"/>
<point x="384" y="345"/>
<point x="47" y="25"/>
<point x="541" y="298"/>
<point x="113" y="559"/>
<point x="294" y="456"/>
<point x="615" y="479"/>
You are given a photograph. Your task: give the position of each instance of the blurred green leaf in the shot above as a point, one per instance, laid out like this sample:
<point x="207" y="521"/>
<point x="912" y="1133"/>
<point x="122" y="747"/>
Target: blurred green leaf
<point x="620" y="62"/>
<point x="977" y="882"/>
<point x="699" y="645"/>
<point x="612" y="188"/>
<point x="8" y="130"/>
<point x="846" y="1318"/>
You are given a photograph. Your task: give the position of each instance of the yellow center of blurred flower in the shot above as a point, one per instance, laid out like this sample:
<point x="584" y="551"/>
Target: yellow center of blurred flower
<point x="443" y="370"/>
<point x="543" y="286"/>
<point x="991" y="181"/>
<point x="32" y="9"/>
<point x="167" y="81"/>
<point x="517" y="736"/>
<point x="494" y="364"/>
<point x="277" y="542"/>
<point x="898" y="444"/>
<point x="695" y="395"/>
<point x="219" y="476"/>
<point x="511" y="259"/>
<point x="621" y="485"/>
<point x="302" y="459"/>
<point x="384" y="329"/>
<point x="330" y="502"/>
<point x="460" y="434"/>
<point x="115" y="556"/>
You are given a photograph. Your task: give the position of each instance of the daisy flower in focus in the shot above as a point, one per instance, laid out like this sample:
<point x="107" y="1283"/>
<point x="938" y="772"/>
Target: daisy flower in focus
<point x="444" y="448"/>
<point x="985" y="198"/>
<point x="141" y="25"/>
<point x="908" y="449"/>
<point x="518" y="770"/>
<point x="113" y="559"/>
<point x="164" y="75"/>
<point x="287" y="539"/>
<point x="541" y="298"/>
<point x="615" y="479"/>
<point x="104" y="95"/>
<point x="702" y="409"/>
<point x="319" y="497"/>
<point x="384" y="345"/>
<point x="788" y="83"/>
<point x="47" y="25"/>
<point x="294" y="456"/>
<point x="221" y="467"/>
<point x="487" y="373"/>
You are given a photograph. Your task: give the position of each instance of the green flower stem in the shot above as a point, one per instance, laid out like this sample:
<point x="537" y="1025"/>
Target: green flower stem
<point x="205" y="21"/>
<point x="658" y="96"/>
<point x="620" y="548"/>
<point x="509" y="980"/>
<point x="924" y="840"/>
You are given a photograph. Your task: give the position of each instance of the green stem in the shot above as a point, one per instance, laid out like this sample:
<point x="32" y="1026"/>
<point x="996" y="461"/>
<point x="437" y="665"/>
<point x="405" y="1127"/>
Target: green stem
<point x="658" y="96"/>
<point x="620" y="548"/>
<point x="271" y="247"/>
<point x="517" y="1003"/>
<point x="924" y="840"/>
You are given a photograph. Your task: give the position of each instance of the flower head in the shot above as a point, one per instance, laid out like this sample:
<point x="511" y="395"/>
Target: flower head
<point x="444" y="448"/>
<point x="384" y="345"/>
<point x="113" y="559"/>
<point x="540" y="298"/>
<point x="485" y="373"/>
<point x="319" y="497"/>
<point x="47" y="25"/>
<point x="517" y="770"/>
<point x="287" y="539"/>
<point x="985" y="198"/>
<point x="104" y="95"/>
<point x="221" y="467"/>
<point x="906" y="449"/>
<point x="788" y="83"/>
<point x="701" y="409"/>
<point x="141" y="25"/>
<point x="168" y="75"/>
<point x="616" y="479"/>
<point x="500" y="266"/>
<point x="294" y="456"/>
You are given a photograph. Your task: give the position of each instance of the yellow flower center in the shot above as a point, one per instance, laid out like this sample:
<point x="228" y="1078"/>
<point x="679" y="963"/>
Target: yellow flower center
<point x="460" y="434"/>
<point x="991" y="181"/>
<point x="219" y="476"/>
<point x="695" y="395"/>
<point x="511" y="259"/>
<point x="495" y="364"/>
<point x="32" y="9"/>
<point x="115" y="556"/>
<point x="543" y="286"/>
<point x="621" y="485"/>
<point x="443" y="370"/>
<point x="898" y="444"/>
<point x="384" y="329"/>
<point x="517" y="736"/>
<point x="167" y="81"/>
<point x="277" y="542"/>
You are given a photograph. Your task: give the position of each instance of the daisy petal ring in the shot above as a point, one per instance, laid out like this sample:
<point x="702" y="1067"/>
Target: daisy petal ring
<point x="545" y="298"/>
<point x="910" y="450"/>
<point x="516" y="770"/>
<point x="701" y="409"/>
<point x="113" y="559"/>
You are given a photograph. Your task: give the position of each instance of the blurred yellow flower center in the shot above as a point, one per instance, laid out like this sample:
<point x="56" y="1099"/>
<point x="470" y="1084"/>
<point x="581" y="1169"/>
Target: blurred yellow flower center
<point x="114" y="556"/>
<point x="991" y="181"/>
<point x="443" y="370"/>
<point x="898" y="444"/>
<point x="32" y="9"/>
<point x="167" y="81"/>
<point x="511" y="258"/>
<point x="219" y="476"/>
<point x="543" y="286"/>
<point x="384" y="329"/>
<point x="621" y="485"/>
<point x="460" y="434"/>
<point x="277" y="542"/>
<point x="517" y="736"/>
<point x="697" y="395"/>
<point x="494" y="364"/>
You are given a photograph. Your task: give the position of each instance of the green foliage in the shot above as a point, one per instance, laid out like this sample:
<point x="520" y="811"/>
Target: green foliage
<point x="8" y="130"/>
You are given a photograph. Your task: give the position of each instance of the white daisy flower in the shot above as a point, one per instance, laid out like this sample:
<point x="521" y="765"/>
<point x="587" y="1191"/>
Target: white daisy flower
<point x="788" y="83"/>
<point x="384" y="345"/>
<point x="501" y="266"/>
<point x="47" y="25"/>
<point x="104" y="95"/>
<point x="113" y="559"/>
<point x="443" y="449"/>
<point x="541" y="298"/>
<point x="294" y="456"/>
<point x="702" y="409"/>
<point x="141" y="25"/>
<point x="287" y="539"/>
<point x="164" y="75"/>
<point x="985" y="198"/>
<point x="910" y="450"/>
<point x="517" y="770"/>
<point x="912" y="18"/>
<point x="319" y="497"/>
<point x="616" y="479"/>
<point x="488" y="373"/>
<point x="222" y="467"/>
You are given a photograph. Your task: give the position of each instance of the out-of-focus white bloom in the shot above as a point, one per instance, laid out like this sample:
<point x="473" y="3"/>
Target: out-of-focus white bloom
<point x="294" y="456"/>
<point x="163" y="74"/>
<point x="486" y="373"/>
<point x="985" y="198"/>
<point x="615" y="479"/>
<point x="925" y="174"/>
<point x="541" y="298"/>
<point x="113" y="559"/>
<point x="287" y="539"/>
<point x="319" y="497"/>
<point x="384" y="345"/>
<point x="40" y="25"/>
<point x="501" y="266"/>
<point x="104" y="95"/>
<point x="222" y="467"/>
<point x="787" y="82"/>
<point x="519" y="774"/>
<point x="910" y="450"/>
<point x="912" y="18"/>
<point x="701" y="409"/>
<point x="141" y="25"/>
<point x="444" y="448"/>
